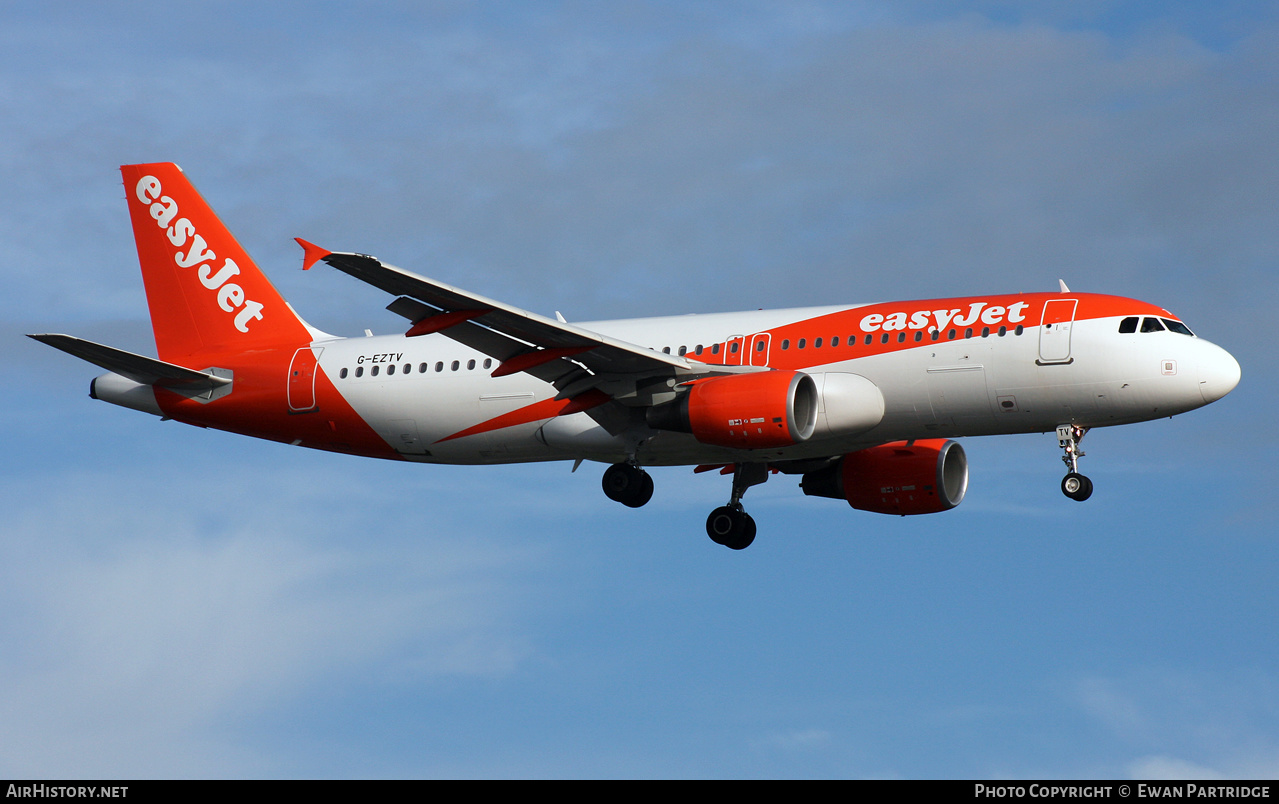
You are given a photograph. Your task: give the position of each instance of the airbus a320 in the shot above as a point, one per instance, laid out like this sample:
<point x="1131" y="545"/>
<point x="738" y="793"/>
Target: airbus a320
<point x="862" y="402"/>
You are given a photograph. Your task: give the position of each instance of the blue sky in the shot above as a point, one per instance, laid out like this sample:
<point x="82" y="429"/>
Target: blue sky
<point x="176" y="602"/>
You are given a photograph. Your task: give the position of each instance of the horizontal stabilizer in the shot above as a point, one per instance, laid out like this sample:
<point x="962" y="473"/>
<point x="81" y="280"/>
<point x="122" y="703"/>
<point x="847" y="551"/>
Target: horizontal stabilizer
<point x="145" y="370"/>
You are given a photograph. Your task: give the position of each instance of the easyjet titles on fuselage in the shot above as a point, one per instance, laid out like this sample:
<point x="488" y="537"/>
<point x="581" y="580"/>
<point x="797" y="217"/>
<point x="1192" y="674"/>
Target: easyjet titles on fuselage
<point x="230" y="296"/>
<point x="989" y="315"/>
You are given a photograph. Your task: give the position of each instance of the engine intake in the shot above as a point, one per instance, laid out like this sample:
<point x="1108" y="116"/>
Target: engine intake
<point x="904" y="477"/>
<point x="743" y="411"/>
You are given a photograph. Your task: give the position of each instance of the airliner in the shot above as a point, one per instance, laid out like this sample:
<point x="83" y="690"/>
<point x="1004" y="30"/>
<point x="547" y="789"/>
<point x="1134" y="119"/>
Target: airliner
<point x="862" y="402"/>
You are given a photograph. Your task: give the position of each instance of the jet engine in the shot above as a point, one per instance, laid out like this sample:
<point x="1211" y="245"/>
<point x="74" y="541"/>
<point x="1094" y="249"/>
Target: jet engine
<point x="904" y="477"/>
<point x="743" y="411"/>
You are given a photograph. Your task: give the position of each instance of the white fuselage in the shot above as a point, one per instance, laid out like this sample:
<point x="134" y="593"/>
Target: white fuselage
<point x="417" y="392"/>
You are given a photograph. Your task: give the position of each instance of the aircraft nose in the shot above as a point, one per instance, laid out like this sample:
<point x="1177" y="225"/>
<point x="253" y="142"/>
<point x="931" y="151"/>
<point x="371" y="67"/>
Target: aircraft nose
<point x="1218" y="374"/>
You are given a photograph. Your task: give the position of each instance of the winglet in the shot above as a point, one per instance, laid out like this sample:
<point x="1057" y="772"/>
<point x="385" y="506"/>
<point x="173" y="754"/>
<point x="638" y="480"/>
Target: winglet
<point x="312" y="253"/>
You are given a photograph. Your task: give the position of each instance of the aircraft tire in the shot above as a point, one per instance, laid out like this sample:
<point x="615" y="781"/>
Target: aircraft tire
<point x="747" y="535"/>
<point x="629" y="485"/>
<point x="731" y="526"/>
<point x="1076" y="487"/>
<point x="645" y="492"/>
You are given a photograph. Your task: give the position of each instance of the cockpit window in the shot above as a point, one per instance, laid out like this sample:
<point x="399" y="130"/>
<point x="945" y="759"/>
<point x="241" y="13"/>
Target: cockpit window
<point x="1128" y="325"/>
<point x="1151" y="325"/>
<point x="1177" y="326"/>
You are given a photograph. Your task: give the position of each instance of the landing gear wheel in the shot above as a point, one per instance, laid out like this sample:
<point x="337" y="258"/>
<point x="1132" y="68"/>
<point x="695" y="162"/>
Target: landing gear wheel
<point x="731" y="526"/>
<point x="1076" y="487"/>
<point x="1073" y="485"/>
<point x="627" y="484"/>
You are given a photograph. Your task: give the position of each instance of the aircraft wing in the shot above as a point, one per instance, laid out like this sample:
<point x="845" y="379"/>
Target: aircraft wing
<point x="145" y="370"/>
<point x="554" y="351"/>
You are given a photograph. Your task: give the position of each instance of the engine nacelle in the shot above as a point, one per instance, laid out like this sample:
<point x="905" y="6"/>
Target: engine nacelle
<point x="850" y="404"/>
<point x="904" y="477"/>
<point x="744" y="411"/>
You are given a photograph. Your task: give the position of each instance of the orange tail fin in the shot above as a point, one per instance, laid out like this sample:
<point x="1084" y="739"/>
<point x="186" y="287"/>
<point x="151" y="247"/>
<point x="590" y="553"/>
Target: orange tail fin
<point x="204" y="291"/>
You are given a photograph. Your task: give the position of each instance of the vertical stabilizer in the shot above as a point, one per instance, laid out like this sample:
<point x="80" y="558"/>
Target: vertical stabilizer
<point x="204" y="291"/>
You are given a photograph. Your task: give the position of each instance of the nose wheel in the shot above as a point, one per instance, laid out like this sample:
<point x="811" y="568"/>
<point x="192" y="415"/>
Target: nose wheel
<point x="1074" y="485"/>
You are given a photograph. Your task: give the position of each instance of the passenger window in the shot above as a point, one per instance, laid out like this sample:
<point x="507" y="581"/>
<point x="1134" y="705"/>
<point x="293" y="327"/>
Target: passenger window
<point x="698" y="350"/>
<point x="454" y="366"/>
<point x="666" y="349"/>
<point x="868" y="339"/>
<point x="715" y="349"/>
<point x="390" y="369"/>
<point x="734" y="347"/>
<point x="803" y="342"/>
<point x="1151" y="325"/>
<point x="439" y="366"/>
<point x="968" y="333"/>
<point x="817" y="344"/>
<point x="342" y="374"/>
<point x="422" y="369"/>
<point x="1178" y="327"/>
<point x="1003" y="331"/>
<point x="901" y="337"/>
<point x="985" y="332"/>
<point x="359" y="371"/>
<point x="470" y="365"/>
<point x="408" y="368"/>
<point x="683" y="350"/>
<point x="1020" y="329"/>
<point x="884" y="338"/>
<point x="1128" y="325"/>
<point x="488" y="362"/>
<point x="919" y="335"/>
<point x="759" y="345"/>
<point x="834" y="341"/>
<point x="785" y="344"/>
<point x="373" y="371"/>
<point x="936" y="334"/>
<point x="950" y="335"/>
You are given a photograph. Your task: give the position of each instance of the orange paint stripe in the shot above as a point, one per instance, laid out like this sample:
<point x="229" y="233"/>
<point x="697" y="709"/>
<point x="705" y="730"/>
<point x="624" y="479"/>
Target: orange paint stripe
<point x="846" y="323"/>
<point x="546" y="409"/>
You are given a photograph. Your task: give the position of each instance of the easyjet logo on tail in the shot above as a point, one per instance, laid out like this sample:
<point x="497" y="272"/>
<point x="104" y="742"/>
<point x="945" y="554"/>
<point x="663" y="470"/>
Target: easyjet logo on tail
<point x="182" y="234"/>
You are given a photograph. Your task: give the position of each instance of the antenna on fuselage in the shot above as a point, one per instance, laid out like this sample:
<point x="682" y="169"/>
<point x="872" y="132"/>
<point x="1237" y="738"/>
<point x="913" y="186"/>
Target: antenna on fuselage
<point x="1064" y="289"/>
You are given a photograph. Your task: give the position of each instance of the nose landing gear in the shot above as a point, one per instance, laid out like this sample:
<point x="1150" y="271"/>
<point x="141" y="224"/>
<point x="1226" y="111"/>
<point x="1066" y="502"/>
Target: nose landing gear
<point x="1074" y="485"/>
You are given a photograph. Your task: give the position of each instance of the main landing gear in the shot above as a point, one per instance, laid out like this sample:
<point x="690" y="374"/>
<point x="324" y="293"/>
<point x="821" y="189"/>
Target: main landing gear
<point x="1073" y="485"/>
<point x="730" y="525"/>
<point x="628" y="484"/>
